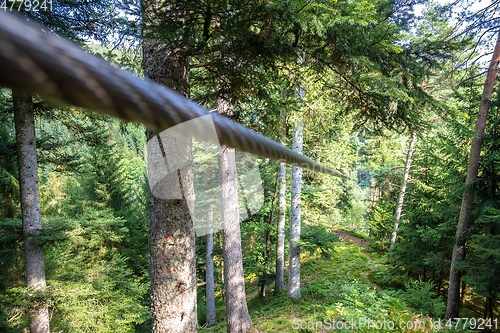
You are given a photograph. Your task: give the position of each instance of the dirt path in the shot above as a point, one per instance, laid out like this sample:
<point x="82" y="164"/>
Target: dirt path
<point x="355" y="240"/>
<point x="361" y="243"/>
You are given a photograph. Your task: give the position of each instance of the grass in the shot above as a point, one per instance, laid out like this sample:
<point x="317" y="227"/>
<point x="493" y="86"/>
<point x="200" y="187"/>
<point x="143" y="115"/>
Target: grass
<point x="332" y="289"/>
<point x="356" y="234"/>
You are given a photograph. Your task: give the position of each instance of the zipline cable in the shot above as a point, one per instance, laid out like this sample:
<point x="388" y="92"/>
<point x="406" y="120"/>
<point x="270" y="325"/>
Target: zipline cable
<point x="56" y="69"/>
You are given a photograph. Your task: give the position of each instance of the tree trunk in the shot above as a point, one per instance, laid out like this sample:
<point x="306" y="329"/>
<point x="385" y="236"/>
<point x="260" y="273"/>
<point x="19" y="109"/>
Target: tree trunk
<point x="280" y="247"/>
<point x="440" y="282"/>
<point x="462" y="294"/>
<point x="171" y="230"/>
<point x="295" y="218"/>
<point x="210" y="291"/>
<point x="401" y="198"/>
<point x="30" y="205"/>
<point x="372" y="195"/>
<point x="237" y="317"/>
<point x="453" y="307"/>
<point x="267" y="238"/>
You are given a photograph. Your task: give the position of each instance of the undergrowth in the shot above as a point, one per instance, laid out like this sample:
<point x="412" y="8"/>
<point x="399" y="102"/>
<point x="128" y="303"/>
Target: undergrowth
<point x="333" y="290"/>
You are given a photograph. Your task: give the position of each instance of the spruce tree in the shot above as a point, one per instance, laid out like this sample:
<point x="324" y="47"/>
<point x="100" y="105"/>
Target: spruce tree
<point x="171" y="229"/>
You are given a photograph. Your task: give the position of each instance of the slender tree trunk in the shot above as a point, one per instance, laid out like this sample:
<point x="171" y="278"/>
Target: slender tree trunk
<point x="489" y="313"/>
<point x="462" y="293"/>
<point x="210" y="291"/>
<point x="372" y="195"/>
<point x="30" y="205"/>
<point x="267" y="238"/>
<point x="171" y="230"/>
<point x="440" y="281"/>
<point x="237" y="317"/>
<point x="295" y="218"/>
<point x="401" y="198"/>
<point x="453" y="307"/>
<point x="280" y="247"/>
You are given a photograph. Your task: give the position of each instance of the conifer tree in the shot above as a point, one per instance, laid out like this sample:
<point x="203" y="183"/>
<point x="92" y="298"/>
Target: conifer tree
<point x="30" y="205"/>
<point x="171" y="229"/>
<point x="453" y="307"/>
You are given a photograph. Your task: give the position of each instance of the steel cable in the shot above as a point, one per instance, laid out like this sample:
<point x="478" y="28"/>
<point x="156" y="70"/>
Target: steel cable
<point x="42" y="63"/>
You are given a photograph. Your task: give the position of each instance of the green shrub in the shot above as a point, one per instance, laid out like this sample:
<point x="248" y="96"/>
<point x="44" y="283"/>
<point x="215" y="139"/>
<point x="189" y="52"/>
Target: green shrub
<point x="419" y="296"/>
<point x="317" y="237"/>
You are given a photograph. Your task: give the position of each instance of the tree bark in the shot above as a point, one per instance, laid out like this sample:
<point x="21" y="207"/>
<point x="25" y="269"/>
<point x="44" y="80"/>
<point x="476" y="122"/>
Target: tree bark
<point x="267" y="238"/>
<point x="295" y="218"/>
<point x="453" y="306"/>
<point x="210" y="291"/>
<point x="171" y="230"/>
<point x="237" y="317"/>
<point x="30" y="205"/>
<point x="372" y="195"/>
<point x="401" y="198"/>
<point x="280" y="247"/>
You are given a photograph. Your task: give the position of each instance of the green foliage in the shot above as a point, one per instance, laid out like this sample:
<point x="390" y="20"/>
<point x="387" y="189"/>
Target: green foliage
<point x="314" y="237"/>
<point x="421" y="298"/>
<point x="367" y="66"/>
<point x="90" y="284"/>
<point x="108" y="299"/>
<point x="356" y="234"/>
<point x="381" y="224"/>
<point x="333" y="290"/>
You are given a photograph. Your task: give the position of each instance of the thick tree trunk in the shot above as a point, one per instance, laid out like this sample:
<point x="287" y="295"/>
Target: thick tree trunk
<point x="295" y="218"/>
<point x="280" y="247"/>
<point x="237" y="317"/>
<point x="401" y="198"/>
<point x="30" y="204"/>
<point x="453" y="307"/>
<point x="171" y="230"/>
<point x="210" y="291"/>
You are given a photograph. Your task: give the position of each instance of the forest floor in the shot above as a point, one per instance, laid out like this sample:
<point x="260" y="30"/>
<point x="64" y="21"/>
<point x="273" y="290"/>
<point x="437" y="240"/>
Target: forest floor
<point x="336" y="292"/>
<point x="344" y="236"/>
